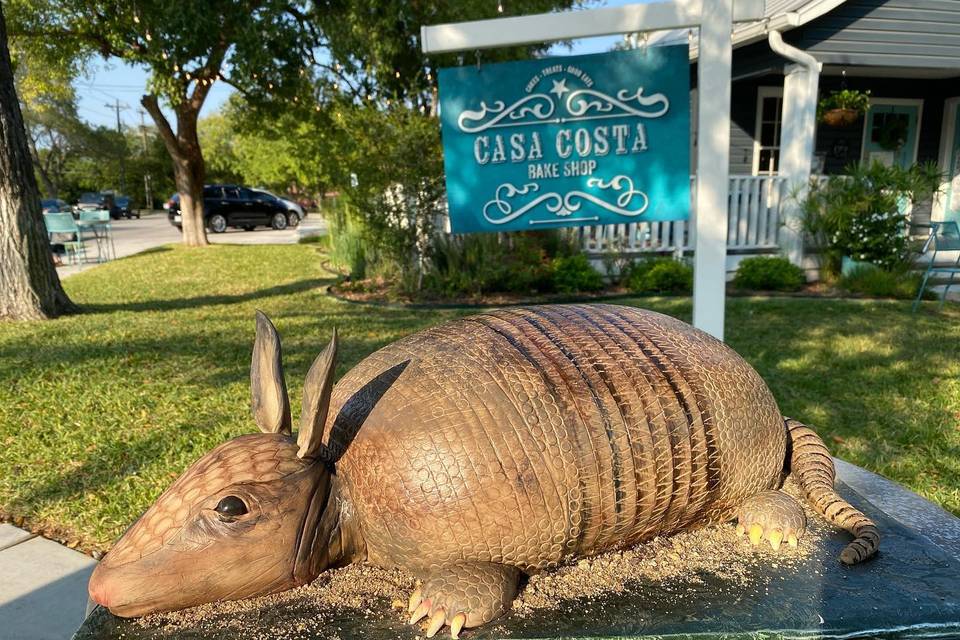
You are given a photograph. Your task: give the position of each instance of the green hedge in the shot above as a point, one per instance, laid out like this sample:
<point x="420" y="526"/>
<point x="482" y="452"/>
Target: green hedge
<point x="768" y="273"/>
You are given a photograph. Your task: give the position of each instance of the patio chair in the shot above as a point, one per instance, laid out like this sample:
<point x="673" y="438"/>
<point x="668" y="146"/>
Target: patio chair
<point x="64" y="225"/>
<point x="944" y="236"/>
<point x="98" y="222"/>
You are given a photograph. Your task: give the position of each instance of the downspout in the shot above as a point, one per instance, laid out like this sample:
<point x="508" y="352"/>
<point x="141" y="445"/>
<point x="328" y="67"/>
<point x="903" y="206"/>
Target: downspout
<point x="791" y="53"/>
<point x="797" y="135"/>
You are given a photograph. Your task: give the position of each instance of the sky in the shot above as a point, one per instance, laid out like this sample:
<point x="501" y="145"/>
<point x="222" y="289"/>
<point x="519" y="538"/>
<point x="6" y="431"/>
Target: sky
<point x="113" y="82"/>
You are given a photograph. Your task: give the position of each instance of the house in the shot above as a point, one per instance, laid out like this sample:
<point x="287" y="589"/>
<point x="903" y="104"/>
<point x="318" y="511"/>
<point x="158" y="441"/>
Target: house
<point x="906" y="53"/>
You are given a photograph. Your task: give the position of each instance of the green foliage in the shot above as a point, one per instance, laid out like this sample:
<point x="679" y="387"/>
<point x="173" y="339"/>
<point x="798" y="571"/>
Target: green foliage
<point x="768" y="273"/>
<point x="862" y="214"/>
<point x="346" y="247"/>
<point x="660" y="275"/>
<point x="852" y="99"/>
<point x="575" y="274"/>
<point x="523" y="263"/>
<point x="88" y="455"/>
<point x="396" y="188"/>
<point x="875" y="282"/>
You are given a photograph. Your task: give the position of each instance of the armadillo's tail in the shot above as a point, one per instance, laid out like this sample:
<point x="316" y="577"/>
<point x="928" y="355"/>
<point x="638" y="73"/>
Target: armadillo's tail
<point x="812" y="467"/>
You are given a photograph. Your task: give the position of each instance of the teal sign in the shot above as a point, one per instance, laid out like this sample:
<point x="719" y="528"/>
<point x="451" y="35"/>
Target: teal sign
<point x="558" y="142"/>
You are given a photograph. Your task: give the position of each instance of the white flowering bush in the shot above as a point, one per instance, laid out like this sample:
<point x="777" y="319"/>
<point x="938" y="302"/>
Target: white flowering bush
<point x="862" y="215"/>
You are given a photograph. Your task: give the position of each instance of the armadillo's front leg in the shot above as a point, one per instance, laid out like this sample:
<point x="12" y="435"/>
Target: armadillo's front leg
<point x="464" y="595"/>
<point x="772" y="515"/>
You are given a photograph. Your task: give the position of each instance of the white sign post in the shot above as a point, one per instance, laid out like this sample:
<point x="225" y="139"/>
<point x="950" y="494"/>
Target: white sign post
<point x="714" y="19"/>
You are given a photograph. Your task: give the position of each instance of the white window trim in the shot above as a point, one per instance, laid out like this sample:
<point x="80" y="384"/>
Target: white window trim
<point x="950" y="106"/>
<point x="904" y="102"/>
<point x="764" y="92"/>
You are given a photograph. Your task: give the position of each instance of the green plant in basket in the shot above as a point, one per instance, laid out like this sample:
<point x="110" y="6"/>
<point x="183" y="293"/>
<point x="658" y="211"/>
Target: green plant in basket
<point x="844" y="107"/>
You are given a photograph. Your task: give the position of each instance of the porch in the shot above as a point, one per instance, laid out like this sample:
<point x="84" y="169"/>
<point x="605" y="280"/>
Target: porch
<point x="754" y="225"/>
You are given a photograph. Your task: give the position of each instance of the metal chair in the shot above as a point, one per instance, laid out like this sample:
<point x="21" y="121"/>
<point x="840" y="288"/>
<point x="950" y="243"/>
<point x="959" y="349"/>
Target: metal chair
<point x="63" y="224"/>
<point x="97" y="221"/>
<point x="944" y="236"/>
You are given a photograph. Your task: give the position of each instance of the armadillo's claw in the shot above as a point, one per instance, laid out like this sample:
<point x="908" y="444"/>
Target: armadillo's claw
<point x="421" y="611"/>
<point x="436" y="621"/>
<point x="414" y="601"/>
<point x="456" y="625"/>
<point x="773" y="516"/>
<point x="775" y="537"/>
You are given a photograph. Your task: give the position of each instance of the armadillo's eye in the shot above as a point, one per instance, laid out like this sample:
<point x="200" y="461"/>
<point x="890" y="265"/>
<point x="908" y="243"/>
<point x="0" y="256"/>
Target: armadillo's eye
<point x="231" y="507"/>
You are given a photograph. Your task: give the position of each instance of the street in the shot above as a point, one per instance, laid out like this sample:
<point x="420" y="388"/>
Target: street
<point x="153" y="229"/>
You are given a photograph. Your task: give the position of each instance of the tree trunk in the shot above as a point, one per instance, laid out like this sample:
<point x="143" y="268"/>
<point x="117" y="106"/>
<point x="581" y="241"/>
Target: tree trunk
<point x="188" y="165"/>
<point x="188" y="173"/>
<point x="29" y="285"/>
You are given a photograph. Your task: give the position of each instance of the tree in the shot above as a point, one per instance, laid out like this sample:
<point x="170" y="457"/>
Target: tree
<point x="29" y="285"/>
<point x="59" y="139"/>
<point x="257" y="47"/>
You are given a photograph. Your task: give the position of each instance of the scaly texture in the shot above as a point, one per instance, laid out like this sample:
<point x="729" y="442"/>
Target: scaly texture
<point x="526" y="436"/>
<point x="811" y="464"/>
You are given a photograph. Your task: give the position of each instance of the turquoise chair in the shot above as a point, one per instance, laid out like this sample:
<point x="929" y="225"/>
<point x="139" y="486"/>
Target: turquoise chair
<point x="98" y="223"/>
<point x="944" y="236"/>
<point x="63" y="224"/>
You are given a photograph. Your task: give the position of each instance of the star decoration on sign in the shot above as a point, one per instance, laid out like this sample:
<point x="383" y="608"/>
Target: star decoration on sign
<point x="559" y="88"/>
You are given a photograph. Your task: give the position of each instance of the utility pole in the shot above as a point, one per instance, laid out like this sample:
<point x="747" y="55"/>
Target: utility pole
<point x="147" y="178"/>
<point x="123" y="156"/>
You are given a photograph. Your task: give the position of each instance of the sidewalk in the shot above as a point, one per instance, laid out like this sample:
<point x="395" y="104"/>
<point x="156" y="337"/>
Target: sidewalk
<point x="43" y="590"/>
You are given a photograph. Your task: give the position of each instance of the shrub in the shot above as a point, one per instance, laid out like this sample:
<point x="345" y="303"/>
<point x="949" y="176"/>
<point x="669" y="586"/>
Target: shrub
<point x="347" y="251"/>
<point x="861" y="215"/>
<point x="660" y="275"/>
<point x="574" y="274"/>
<point x="768" y="273"/>
<point x="875" y="282"/>
<point x="476" y="264"/>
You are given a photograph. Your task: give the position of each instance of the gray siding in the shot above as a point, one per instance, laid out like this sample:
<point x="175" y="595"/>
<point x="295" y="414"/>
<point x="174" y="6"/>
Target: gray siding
<point x="901" y="33"/>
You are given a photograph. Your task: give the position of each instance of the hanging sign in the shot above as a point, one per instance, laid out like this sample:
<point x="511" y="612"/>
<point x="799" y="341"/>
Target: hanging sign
<point x="572" y="141"/>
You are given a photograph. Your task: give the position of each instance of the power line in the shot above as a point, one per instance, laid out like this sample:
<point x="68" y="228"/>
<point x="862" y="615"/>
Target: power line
<point x="123" y="165"/>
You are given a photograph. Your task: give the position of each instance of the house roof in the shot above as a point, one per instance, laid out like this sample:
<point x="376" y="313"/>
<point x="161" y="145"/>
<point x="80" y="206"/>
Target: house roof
<point x="779" y="15"/>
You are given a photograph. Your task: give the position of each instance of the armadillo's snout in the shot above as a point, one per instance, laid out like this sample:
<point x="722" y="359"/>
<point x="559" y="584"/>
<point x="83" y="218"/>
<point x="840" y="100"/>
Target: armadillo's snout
<point x="99" y="588"/>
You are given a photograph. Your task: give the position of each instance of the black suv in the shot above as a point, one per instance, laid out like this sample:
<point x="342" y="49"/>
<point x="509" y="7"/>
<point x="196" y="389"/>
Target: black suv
<point x="227" y="205"/>
<point x="99" y="201"/>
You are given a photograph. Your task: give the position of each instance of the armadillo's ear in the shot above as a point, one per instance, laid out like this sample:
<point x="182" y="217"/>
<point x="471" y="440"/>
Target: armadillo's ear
<point x="316" y="401"/>
<point x="268" y="390"/>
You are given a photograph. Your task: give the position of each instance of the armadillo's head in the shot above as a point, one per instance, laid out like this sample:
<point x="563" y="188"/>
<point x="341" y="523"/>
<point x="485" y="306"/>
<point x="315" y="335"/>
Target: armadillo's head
<point x="243" y="520"/>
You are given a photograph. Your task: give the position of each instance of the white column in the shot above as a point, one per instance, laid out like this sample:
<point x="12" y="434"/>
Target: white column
<point x="713" y="167"/>
<point x="797" y="136"/>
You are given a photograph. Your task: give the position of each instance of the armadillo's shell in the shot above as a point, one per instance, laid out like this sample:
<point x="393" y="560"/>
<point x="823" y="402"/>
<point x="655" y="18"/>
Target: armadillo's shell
<point x="528" y="435"/>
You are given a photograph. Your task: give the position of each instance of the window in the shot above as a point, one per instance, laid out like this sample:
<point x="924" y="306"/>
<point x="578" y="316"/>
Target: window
<point x="766" y="139"/>
<point x="231" y="193"/>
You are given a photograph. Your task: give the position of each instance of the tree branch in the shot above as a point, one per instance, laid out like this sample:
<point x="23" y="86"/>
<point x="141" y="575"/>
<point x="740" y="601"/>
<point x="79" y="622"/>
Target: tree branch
<point x="150" y="103"/>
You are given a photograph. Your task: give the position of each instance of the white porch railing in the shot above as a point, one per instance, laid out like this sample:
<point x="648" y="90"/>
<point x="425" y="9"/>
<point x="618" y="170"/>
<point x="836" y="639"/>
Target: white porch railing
<point x="754" y="223"/>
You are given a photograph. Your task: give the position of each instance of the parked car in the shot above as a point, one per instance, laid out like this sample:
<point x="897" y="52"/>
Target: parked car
<point x="55" y="205"/>
<point x="99" y="201"/>
<point x="125" y="205"/>
<point x="289" y="204"/>
<point x="227" y="205"/>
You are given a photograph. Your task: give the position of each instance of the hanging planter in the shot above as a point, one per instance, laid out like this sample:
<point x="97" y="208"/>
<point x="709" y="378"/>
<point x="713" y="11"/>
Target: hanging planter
<point x="840" y="117"/>
<point x="843" y="108"/>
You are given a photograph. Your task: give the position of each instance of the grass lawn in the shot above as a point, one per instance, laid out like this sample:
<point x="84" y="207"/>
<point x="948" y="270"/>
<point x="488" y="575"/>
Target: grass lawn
<point x="100" y="412"/>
